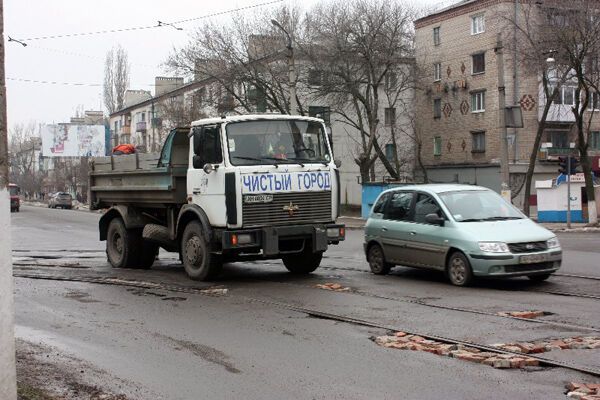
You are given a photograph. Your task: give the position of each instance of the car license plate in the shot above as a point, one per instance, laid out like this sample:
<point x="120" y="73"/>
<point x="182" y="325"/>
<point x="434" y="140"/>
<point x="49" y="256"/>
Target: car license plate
<point x="533" y="258"/>
<point x="258" y="198"/>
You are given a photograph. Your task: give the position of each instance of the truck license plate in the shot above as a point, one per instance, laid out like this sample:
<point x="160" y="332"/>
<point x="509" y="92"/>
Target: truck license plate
<point x="533" y="258"/>
<point x="258" y="198"/>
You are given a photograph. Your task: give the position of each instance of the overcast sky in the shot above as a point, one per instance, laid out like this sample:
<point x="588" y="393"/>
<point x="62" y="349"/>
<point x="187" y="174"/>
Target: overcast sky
<point x="81" y="59"/>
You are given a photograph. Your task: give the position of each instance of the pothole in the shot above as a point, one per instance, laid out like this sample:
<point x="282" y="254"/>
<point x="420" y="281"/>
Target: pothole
<point x="583" y="391"/>
<point x="404" y="341"/>
<point x="525" y="314"/>
<point x="335" y="287"/>
<point x="543" y="346"/>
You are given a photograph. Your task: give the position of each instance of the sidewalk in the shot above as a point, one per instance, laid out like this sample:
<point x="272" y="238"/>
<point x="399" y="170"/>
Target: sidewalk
<point x="353" y="222"/>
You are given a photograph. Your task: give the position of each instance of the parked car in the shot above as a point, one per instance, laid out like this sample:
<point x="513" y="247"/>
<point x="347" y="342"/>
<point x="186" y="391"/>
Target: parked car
<point x="465" y="231"/>
<point x="15" y="201"/>
<point x="61" y="199"/>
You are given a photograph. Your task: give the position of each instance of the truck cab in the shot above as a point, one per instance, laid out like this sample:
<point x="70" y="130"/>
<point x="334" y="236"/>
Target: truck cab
<point x="256" y="187"/>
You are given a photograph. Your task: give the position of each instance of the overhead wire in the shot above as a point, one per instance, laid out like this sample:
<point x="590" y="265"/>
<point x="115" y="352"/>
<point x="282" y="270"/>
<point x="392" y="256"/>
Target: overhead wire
<point x="158" y="25"/>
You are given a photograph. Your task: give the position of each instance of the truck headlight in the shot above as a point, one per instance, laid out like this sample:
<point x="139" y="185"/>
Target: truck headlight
<point x="494" y="247"/>
<point x="553" y="243"/>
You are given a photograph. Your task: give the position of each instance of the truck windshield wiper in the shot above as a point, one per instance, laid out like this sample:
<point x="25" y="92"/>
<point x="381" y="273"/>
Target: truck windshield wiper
<point x="259" y="159"/>
<point x="498" y="218"/>
<point x="471" y="220"/>
<point x="308" y="160"/>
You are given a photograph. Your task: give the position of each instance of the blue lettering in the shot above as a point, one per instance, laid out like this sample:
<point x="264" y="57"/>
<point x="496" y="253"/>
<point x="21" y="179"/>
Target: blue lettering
<point x="263" y="183"/>
<point x="327" y="180"/>
<point x="254" y="183"/>
<point x="270" y="176"/>
<point x="313" y="179"/>
<point x="306" y="181"/>
<point x="300" y="180"/>
<point x="246" y="181"/>
<point x="287" y="183"/>
<point x="278" y="183"/>
<point x="320" y="180"/>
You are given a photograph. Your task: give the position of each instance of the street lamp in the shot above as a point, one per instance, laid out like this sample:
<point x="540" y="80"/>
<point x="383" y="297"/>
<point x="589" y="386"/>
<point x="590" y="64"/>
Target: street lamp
<point x="291" y="67"/>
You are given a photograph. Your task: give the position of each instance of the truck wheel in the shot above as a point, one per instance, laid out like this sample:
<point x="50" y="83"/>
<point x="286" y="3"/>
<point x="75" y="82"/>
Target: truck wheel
<point x="302" y="263"/>
<point x="143" y="252"/>
<point x="199" y="263"/>
<point x="118" y="244"/>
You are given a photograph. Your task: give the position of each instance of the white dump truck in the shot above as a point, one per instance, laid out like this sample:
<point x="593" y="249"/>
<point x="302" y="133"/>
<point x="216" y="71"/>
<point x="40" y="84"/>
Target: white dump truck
<point x="225" y="189"/>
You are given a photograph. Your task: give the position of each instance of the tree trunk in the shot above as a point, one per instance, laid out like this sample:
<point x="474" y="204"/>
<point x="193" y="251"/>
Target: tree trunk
<point x="420" y="161"/>
<point x="586" y="167"/>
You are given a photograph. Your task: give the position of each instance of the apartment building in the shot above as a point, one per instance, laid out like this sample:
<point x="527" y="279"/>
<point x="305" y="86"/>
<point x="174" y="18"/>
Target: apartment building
<point x="458" y="106"/>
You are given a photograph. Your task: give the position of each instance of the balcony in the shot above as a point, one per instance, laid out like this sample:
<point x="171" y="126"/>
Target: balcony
<point x="126" y="130"/>
<point x="140" y="126"/>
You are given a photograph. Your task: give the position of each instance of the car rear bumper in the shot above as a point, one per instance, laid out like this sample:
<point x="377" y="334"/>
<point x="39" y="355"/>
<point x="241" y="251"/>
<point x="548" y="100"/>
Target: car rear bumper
<point x="507" y="265"/>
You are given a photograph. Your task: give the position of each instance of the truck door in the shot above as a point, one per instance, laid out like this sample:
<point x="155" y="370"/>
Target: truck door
<point x="206" y="174"/>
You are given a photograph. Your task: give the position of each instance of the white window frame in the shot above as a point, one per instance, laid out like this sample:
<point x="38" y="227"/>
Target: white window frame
<point x="477" y="24"/>
<point x="478" y="101"/>
<point x="437" y="72"/>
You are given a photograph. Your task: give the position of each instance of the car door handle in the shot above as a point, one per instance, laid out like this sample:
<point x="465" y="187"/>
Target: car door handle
<point x="384" y="229"/>
<point x="413" y="233"/>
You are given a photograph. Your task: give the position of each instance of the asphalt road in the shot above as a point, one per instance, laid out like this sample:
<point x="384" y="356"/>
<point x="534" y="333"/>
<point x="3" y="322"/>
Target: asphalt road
<point x="157" y="343"/>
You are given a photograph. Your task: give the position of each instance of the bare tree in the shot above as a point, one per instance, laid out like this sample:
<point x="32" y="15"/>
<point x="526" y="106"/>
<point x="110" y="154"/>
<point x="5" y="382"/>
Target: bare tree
<point x="355" y="45"/>
<point x="24" y="163"/>
<point x="534" y="47"/>
<point x="116" y="78"/>
<point x="576" y="32"/>
<point x="244" y="58"/>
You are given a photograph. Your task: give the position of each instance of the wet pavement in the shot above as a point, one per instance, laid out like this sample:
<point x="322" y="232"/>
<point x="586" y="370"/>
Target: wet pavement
<point x="254" y="342"/>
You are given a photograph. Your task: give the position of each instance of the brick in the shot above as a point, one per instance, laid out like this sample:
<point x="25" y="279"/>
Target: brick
<point x="515" y="349"/>
<point x="525" y="347"/>
<point x="500" y="363"/>
<point x="531" y="362"/>
<point x="538" y="348"/>
<point x="417" y="338"/>
<point x="400" y="334"/>
<point x="572" y="386"/>
<point x="517" y="362"/>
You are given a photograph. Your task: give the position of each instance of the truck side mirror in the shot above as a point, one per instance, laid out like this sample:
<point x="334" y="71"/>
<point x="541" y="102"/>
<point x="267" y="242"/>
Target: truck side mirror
<point x="337" y="162"/>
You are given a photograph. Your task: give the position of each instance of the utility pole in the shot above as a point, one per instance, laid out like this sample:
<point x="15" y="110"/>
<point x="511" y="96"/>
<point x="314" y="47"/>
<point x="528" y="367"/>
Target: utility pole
<point x="569" y="190"/>
<point x="291" y="68"/>
<point x="8" y="373"/>
<point x="504" y="172"/>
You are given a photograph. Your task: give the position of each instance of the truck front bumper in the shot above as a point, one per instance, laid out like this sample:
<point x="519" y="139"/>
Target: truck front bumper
<point x="273" y="241"/>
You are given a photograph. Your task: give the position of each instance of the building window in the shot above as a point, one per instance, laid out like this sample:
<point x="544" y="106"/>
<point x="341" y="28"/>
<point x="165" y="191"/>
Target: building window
<point x="143" y="117"/>
<point x="477" y="24"/>
<point x="437" y="108"/>
<point x="322" y="112"/>
<point x="559" y="139"/>
<point x="315" y="77"/>
<point x="595" y="141"/>
<point x="437" y="146"/>
<point x="594" y="101"/>
<point x="478" y="142"/>
<point x="391" y="80"/>
<point x="478" y="101"/>
<point x="436" y="36"/>
<point x="566" y="95"/>
<point x="437" y="72"/>
<point x="478" y="63"/>
<point x="390" y="116"/>
<point x="390" y="149"/>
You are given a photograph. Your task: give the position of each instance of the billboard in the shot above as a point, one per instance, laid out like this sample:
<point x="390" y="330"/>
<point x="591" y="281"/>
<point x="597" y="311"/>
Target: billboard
<point x="72" y="140"/>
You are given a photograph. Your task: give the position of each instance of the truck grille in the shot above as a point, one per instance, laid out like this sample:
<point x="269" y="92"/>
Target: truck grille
<point x="312" y="207"/>
<point x="530" y="247"/>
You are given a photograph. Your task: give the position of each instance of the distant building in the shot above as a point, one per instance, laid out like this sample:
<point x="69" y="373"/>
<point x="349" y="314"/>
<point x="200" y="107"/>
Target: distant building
<point x="458" y="120"/>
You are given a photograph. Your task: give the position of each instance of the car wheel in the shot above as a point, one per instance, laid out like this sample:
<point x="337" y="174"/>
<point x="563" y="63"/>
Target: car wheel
<point x="539" y="278"/>
<point x="459" y="270"/>
<point x="199" y="262"/>
<point x="302" y="263"/>
<point x="377" y="262"/>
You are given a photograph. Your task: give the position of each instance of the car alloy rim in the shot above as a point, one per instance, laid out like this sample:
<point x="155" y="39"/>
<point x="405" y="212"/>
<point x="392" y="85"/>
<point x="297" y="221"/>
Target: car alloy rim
<point x="458" y="270"/>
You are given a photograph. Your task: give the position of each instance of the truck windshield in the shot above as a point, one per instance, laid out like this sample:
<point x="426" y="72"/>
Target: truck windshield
<point x="14" y="191"/>
<point x="478" y="205"/>
<point x="276" y="141"/>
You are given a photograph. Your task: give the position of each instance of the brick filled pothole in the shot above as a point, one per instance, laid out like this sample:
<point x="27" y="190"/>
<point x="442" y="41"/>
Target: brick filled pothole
<point x="404" y="341"/>
<point x="543" y="346"/>
<point x="525" y="314"/>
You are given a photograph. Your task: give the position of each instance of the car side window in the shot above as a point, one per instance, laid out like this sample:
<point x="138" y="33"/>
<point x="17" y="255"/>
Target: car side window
<point x="424" y="205"/>
<point x="379" y="207"/>
<point x="399" y="206"/>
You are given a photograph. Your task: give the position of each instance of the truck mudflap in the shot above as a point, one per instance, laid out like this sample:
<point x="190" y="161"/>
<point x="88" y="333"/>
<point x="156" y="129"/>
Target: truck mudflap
<point x="279" y="240"/>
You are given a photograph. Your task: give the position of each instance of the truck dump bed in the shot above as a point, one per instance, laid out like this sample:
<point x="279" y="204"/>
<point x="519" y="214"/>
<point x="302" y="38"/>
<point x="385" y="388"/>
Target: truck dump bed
<point x="151" y="180"/>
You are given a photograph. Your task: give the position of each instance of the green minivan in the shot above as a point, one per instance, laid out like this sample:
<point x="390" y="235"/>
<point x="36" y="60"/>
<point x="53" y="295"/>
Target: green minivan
<point x="465" y="231"/>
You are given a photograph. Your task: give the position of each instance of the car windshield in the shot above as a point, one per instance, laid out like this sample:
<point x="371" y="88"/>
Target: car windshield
<point x="479" y="205"/>
<point x="276" y="141"/>
<point x="14" y="191"/>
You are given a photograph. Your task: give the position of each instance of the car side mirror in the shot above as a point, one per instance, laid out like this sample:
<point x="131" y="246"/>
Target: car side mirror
<point x="337" y="162"/>
<point x="434" y="219"/>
